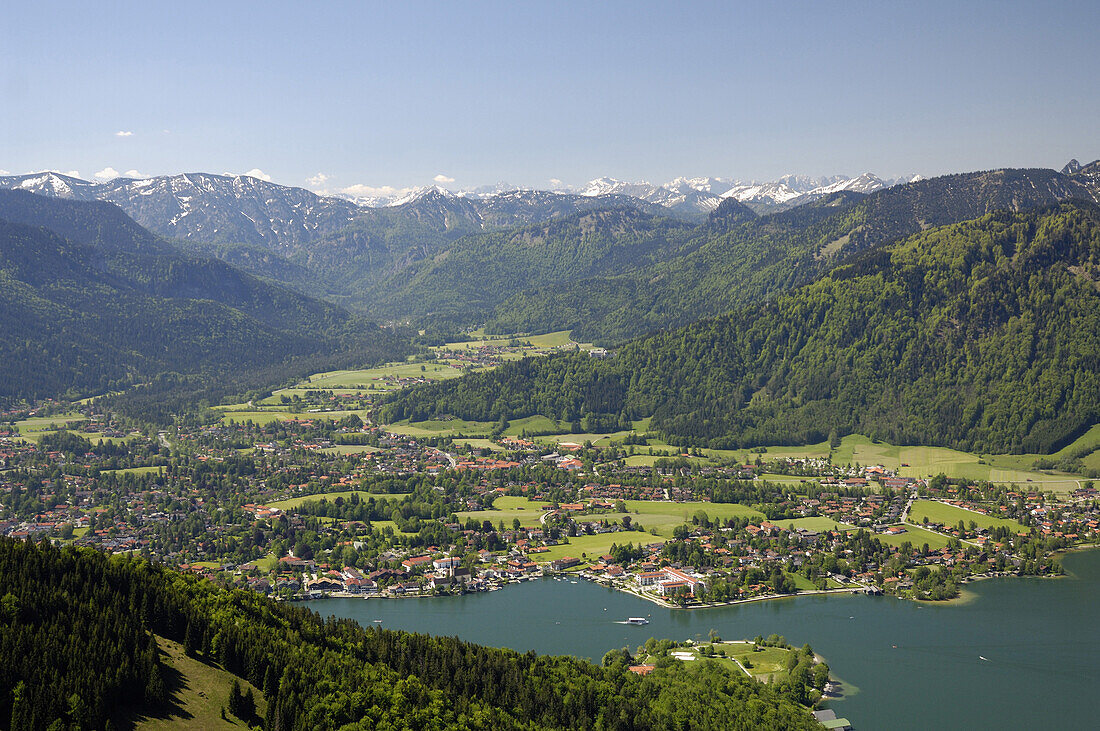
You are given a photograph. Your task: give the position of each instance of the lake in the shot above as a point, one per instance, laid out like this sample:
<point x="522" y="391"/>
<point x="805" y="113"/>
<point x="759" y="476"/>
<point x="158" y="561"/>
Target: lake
<point x="906" y="665"/>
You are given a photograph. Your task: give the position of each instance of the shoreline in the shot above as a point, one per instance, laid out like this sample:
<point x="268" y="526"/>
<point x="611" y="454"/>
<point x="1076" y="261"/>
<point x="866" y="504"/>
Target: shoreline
<point x="965" y="596"/>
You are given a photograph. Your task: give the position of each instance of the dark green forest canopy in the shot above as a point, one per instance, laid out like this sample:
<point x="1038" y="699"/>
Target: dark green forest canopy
<point x="737" y="259"/>
<point x="94" y="616"/>
<point x="983" y="335"/>
<point x="91" y="302"/>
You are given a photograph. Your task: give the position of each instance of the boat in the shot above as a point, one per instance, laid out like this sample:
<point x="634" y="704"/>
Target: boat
<point x="637" y="620"/>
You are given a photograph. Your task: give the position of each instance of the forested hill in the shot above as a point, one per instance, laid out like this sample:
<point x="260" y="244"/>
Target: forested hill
<point x="90" y="302"/>
<point x="478" y="271"/>
<point x="983" y="335"/>
<point x="78" y="648"/>
<point x="737" y="259"/>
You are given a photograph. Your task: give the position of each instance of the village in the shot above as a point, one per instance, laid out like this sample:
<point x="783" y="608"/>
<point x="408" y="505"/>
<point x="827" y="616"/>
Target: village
<point x="308" y="507"/>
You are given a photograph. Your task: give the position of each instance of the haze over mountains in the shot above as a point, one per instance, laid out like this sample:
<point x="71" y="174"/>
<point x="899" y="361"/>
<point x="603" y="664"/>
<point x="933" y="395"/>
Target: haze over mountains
<point x="251" y="276"/>
<point x="612" y="260"/>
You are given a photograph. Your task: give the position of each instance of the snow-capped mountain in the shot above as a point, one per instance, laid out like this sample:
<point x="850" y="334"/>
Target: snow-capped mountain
<point x="693" y="197"/>
<point x="206" y="207"/>
<point x="241" y="209"/>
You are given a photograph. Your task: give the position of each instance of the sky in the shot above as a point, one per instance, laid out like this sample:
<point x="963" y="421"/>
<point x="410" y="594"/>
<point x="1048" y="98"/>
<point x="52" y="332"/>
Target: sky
<point x="358" y="96"/>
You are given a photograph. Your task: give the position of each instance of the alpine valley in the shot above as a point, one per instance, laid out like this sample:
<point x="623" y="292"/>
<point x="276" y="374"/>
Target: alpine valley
<point x="222" y="398"/>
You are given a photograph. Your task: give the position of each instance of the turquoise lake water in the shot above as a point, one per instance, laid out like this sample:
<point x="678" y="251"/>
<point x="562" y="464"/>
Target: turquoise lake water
<point x="906" y="665"/>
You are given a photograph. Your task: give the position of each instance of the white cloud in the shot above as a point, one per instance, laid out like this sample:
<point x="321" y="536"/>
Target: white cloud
<point x="366" y="191"/>
<point x="107" y="173"/>
<point x="317" y="180"/>
<point x="556" y="183"/>
<point x="4" y="172"/>
<point x="257" y="173"/>
<point x="73" y="173"/>
<point x="441" y="178"/>
<point x="124" y="133"/>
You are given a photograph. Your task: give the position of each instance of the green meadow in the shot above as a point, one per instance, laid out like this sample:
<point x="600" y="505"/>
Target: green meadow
<point x="658" y="520"/>
<point x="34" y="428"/>
<point x="916" y="536"/>
<point x="294" y="502"/>
<point x="950" y="515"/>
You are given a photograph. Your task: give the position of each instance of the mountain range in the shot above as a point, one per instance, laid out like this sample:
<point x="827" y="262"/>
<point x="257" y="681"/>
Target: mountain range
<point x="238" y="275"/>
<point x="91" y="302"/>
<point x="982" y="335"/>
<point x="436" y="254"/>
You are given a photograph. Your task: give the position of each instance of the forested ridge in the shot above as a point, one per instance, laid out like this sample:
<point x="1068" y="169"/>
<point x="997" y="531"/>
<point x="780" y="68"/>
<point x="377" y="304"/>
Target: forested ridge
<point x="91" y="302"/>
<point x="983" y="335"/>
<point x="737" y="259"/>
<point x="94" y="616"/>
<point x="478" y="271"/>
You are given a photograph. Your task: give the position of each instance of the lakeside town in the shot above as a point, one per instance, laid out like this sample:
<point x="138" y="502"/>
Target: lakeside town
<point x="309" y="506"/>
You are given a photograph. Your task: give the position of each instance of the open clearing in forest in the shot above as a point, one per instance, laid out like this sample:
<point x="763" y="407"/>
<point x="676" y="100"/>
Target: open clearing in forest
<point x="198" y="693"/>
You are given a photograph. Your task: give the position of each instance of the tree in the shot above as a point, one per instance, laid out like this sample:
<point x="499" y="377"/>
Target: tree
<point x="236" y="700"/>
<point x="20" y="707"/>
<point x="248" y="705"/>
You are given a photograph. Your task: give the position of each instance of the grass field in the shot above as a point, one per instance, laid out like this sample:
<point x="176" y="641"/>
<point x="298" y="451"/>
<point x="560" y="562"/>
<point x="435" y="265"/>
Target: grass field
<point x="198" y="694"/>
<point x="440" y="428"/>
<point x="507" y="508"/>
<point x="929" y="461"/>
<point x="661" y="517"/>
<point x="382" y="524"/>
<point x="267" y="417"/>
<point x="350" y="449"/>
<point x="950" y="515"/>
<point x="916" y="536"/>
<point x="534" y="424"/>
<point x="479" y="444"/>
<point x="135" y="470"/>
<point x="820" y="523"/>
<point x="330" y="496"/>
<point x="34" y="428"/>
<point x="260" y="418"/>
<point x="666" y="516"/>
<point x="591" y="547"/>
<point x="768" y="662"/>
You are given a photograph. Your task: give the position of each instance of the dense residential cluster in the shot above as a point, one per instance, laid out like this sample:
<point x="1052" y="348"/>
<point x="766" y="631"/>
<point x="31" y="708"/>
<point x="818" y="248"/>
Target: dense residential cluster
<point x="310" y="506"/>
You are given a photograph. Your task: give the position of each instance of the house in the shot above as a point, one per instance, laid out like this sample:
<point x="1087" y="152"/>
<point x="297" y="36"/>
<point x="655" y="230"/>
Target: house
<point x="564" y="563"/>
<point x="447" y="564"/>
<point x="416" y="562"/>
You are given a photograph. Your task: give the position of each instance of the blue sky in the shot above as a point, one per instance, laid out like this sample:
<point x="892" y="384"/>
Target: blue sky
<point x="398" y="93"/>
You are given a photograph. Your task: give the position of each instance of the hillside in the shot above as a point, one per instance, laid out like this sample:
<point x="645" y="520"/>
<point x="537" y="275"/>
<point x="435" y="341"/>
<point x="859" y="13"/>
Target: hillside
<point x="89" y="612"/>
<point x="479" y="271"/>
<point x="982" y="335"/>
<point x="111" y="304"/>
<point x="738" y="260"/>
